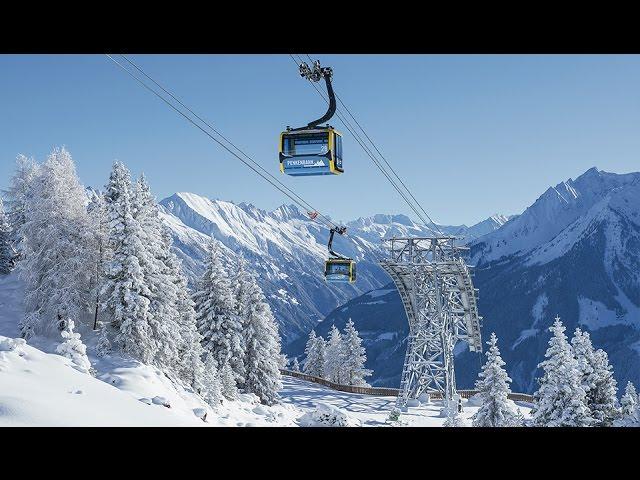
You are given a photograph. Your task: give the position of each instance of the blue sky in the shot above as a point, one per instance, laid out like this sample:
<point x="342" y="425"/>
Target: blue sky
<point x="472" y="135"/>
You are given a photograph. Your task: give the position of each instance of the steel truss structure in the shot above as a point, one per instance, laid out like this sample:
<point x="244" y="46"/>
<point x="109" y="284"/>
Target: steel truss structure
<point x="434" y="283"/>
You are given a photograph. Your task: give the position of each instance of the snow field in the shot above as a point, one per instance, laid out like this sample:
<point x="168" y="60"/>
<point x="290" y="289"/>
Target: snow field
<point x="41" y="389"/>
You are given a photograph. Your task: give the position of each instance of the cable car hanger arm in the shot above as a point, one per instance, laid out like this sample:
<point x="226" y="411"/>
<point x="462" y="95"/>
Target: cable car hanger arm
<point x="315" y="75"/>
<point x="341" y="231"/>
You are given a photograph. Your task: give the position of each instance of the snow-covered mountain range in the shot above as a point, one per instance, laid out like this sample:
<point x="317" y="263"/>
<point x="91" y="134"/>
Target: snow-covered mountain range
<point x="575" y="252"/>
<point x="287" y="249"/>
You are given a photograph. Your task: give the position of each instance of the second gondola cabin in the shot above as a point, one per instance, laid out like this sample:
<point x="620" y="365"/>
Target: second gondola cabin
<point x="313" y="151"/>
<point x="340" y="270"/>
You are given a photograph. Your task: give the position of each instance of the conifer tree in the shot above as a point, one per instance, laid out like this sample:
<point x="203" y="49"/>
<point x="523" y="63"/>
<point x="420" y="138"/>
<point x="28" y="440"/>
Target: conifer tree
<point x="228" y="383"/>
<point x="311" y="363"/>
<point x="57" y="263"/>
<point x="560" y="400"/>
<point x="262" y="345"/>
<point x="98" y="227"/>
<point x="283" y="360"/>
<point x="17" y="195"/>
<point x="7" y="252"/>
<point x="73" y="348"/>
<point x="335" y="357"/>
<point x="355" y="357"/>
<point x="218" y="324"/>
<point x="596" y="379"/>
<point x="314" y="356"/>
<point x="295" y="365"/>
<point x="493" y="388"/>
<point x="160" y="277"/>
<point x="190" y="350"/>
<point x="453" y="419"/>
<point x="629" y="414"/>
<point x="207" y="382"/>
<point x="240" y="284"/>
<point x="126" y="297"/>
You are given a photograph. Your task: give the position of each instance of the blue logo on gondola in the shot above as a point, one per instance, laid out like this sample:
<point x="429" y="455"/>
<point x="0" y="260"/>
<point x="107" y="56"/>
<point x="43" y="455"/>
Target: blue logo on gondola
<point x="306" y="163"/>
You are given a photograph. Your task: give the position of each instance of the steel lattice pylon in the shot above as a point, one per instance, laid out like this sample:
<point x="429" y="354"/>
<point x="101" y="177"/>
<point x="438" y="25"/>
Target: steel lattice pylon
<point x="434" y="283"/>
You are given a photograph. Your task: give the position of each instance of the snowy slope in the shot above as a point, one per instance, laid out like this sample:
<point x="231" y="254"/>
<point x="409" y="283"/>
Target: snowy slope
<point x="40" y="389"/>
<point x="288" y="250"/>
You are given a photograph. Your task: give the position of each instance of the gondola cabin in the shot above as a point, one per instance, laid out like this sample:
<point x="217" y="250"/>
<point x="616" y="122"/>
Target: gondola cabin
<point x="314" y="151"/>
<point x="340" y="270"/>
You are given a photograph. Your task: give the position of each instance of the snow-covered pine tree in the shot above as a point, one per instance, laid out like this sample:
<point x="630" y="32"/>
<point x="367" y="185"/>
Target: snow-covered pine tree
<point x="17" y="194"/>
<point x="160" y="276"/>
<point x="283" y="361"/>
<point x="58" y="259"/>
<point x="493" y="388"/>
<point x="7" y="252"/>
<point x="453" y="419"/>
<point x="125" y="294"/>
<point x="98" y="227"/>
<point x="629" y="406"/>
<point x="334" y="357"/>
<point x="295" y="366"/>
<point x="262" y="345"/>
<point x="104" y="347"/>
<point x="560" y="400"/>
<point x="240" y="285"/>
<point x="190" y="351"/>
<point x="220" y="327"/>
<point x="355" y="357"/>
<point x="228" y="385"/>
<point x="314" y="356"/>
<point x="596" y="379"/>
<point x="310" y="363"/>
<point x="73" y="348"/>
<point x="207" y="381"/>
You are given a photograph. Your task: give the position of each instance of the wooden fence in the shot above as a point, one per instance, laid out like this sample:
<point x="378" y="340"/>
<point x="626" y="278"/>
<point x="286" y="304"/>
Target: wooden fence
<point x="389" y="392"/>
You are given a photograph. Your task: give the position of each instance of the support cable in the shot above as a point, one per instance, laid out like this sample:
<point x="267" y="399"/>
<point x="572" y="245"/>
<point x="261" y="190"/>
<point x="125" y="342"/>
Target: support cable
<point x="372" y="156"/>
<point x="249" y="162"/>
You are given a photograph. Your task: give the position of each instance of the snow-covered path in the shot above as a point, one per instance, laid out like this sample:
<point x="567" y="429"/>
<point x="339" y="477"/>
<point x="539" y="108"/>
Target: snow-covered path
<point x="368" y="410"/>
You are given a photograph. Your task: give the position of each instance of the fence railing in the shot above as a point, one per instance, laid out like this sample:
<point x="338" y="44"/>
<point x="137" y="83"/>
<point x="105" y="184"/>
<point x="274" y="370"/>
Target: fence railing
<point x="389" y="392"/>
<point x="381" y="392"/>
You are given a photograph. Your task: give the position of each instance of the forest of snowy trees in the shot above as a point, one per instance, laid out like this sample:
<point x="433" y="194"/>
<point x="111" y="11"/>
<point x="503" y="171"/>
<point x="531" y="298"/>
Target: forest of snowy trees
<point x="104" y="260"/>
<point x="576" y="389"/>
<point x="340" y="359"/>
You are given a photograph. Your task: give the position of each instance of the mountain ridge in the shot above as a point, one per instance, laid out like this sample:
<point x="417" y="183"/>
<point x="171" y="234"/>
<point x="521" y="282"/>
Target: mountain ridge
<point x="287" y="250"/>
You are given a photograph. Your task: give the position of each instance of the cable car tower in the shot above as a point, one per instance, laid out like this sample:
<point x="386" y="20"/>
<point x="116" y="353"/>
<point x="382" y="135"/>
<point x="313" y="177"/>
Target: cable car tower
<point x="434" y="283"/>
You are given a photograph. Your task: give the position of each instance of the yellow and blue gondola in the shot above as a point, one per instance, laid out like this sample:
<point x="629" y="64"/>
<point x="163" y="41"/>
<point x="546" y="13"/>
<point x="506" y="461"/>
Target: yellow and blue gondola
<point x="313" y="151"/>
<point x="340" y="270"/>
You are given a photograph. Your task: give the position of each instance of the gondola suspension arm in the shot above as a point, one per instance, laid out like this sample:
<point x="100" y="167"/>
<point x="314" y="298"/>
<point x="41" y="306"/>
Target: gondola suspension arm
<point x="314" y="75"/>
<point x="333" y="231"/>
